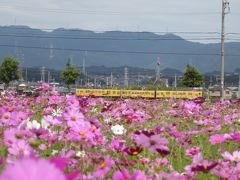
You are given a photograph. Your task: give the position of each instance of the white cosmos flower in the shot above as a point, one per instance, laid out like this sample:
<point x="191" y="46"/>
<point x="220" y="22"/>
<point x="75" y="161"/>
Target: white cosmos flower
<point x="44" y="124"/>
<point x="94" y="110"/>
<point x="118" y="129"/>
<point x="54" y="152"/>
<point x="33" y="125"/>
<point x="107" y="120"/>
<point x="81" y="154"/>
<point x="57" y="112"/>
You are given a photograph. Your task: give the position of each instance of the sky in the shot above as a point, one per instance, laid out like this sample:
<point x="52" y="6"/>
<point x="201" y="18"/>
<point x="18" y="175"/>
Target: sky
<point x="123" y="15"/>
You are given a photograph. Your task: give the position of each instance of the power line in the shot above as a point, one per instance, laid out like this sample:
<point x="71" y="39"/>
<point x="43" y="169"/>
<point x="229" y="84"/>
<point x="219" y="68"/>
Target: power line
<point x="112" y="38"/>
<point x="83" y="11"/>
<point x="120" y="52"/>
<point x="102" y="31"/>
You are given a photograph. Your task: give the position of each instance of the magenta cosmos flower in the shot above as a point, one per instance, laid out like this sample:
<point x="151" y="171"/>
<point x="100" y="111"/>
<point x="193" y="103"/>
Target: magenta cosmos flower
<point x="154" y="143"/>
<point x="32" y="169"/>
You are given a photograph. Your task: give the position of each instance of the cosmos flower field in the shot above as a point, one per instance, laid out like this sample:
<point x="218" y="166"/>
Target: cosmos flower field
<point x="54" y="137"/>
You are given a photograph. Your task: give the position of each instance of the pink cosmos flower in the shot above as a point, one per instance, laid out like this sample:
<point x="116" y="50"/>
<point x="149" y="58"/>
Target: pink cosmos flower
<point x="117" y="145"/>
<point x="6" y="118"/>
<point x="217" y="139"/>
<point x="154" y="143"/>
<point x="73" y="117"/>
<point x="236" y="137"/>
<point x="72" y="102"/>
<point x="20" y="116"/>
<point x="32" y="169"/>
<point x="42" y="147"/>
<point x="192" y="151"/>
<point x="234" y="157"/>
<point x="52" y="120"/>
<point x="103" y="168"/>
<point x="20" y="148"/>
<point x="124" y="174"/>
<point x="81" y="131"/>
<point x="54" y="100"/>
<point x="9" y="137"/>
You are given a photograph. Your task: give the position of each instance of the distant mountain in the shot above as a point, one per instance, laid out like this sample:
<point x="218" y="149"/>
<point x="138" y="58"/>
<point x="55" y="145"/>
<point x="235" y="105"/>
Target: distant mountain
<point x="99" y="49"/>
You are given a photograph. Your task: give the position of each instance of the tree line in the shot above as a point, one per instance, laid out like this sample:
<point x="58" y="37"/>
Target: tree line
<point x="9" y="71"/>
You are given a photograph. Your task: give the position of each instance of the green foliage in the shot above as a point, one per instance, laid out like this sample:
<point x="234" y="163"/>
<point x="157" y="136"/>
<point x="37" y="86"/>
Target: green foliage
<point x="70" y="74"/>
<point x="192" y="77"/>
<point x="9" y="70"/>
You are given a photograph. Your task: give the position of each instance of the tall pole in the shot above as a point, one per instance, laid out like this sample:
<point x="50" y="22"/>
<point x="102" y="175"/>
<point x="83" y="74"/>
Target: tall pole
<point x="26" y="75"/>
<point x="157" y="71"/>
<point x="126" y="76"/>
<point x="225" y="5"/>
<point x="49" y="77"/>
<point x="239" y="87"/>
<point x="175" y="81"/>
<point x="111" y="80"/>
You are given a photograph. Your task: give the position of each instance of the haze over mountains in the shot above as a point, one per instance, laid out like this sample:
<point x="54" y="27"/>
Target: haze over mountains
<point x="51" y="49"/>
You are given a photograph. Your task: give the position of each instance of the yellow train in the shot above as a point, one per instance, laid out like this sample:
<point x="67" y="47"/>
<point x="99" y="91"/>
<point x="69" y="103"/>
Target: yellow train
<point x="139" y="93"/>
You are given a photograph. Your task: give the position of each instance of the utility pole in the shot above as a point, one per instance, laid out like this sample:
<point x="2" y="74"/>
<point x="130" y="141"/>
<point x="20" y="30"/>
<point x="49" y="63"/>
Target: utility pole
<point x="138" y="80"/>
<point x="239" y="87"/>
<point x="126" y="76"/>
<point x="225" y="10"/>
<point x="111" y="80"/>
<point x="210" y="82"/>
<point x="83" y="66"/>
<point x="175" y="81"/>
<point x="43" y="74"/>
<point x="26" y="75"/>
<point x="95" y="82"/>
<point x="107" y="82"/>
<point x="49" y="77"/>
<point x="158" y="78"/>
<point x="51" y="55"/>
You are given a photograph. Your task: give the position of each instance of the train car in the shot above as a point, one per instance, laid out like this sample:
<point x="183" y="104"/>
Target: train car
<point x="179" y="94"/>
<point x="139" y="93"/>
<point x="98" y="92"/>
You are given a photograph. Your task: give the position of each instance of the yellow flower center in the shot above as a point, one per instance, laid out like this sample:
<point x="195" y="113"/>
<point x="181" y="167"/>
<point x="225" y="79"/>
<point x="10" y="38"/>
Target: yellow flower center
<point x="135" y="153"/>
<point x="21" y="150"/>
<point x="73" y="118"/>
<point x="130" y="117"/>
<point x="81" y="133"/>
<point x="6" y="117"/>
<point x="102" y="165"/>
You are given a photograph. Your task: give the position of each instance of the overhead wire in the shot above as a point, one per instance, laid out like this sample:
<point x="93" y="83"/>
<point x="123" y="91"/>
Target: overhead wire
<point x="114" y="51"/>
